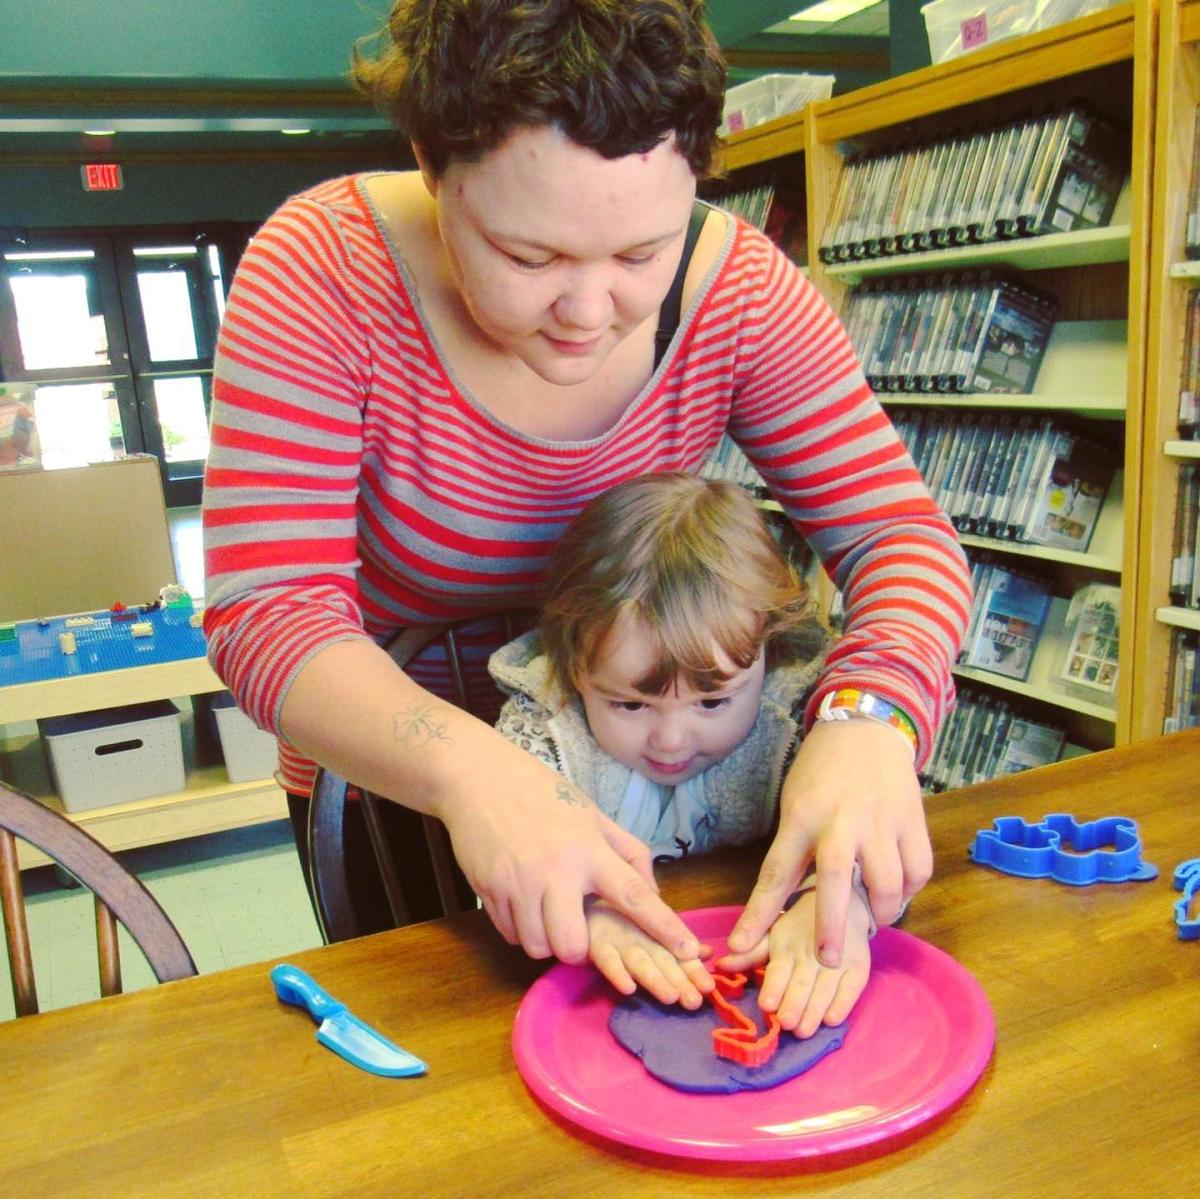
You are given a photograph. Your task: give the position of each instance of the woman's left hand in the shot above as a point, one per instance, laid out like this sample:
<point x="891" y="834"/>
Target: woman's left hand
<point x="851" y="795"/>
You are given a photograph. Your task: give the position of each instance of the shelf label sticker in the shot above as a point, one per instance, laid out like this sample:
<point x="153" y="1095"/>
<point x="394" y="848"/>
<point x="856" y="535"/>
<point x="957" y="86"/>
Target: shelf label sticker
<point x="974" y="31"/>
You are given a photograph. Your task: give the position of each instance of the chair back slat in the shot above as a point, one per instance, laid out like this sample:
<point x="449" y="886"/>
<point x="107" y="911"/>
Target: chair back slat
<point x="326" y="838"/>
<point x="121" y="893"/>
<point x="327" y="858"/>
<point x="108" y="949"/>
<point x="385" y="859"/>
<point x="16" y="929"/>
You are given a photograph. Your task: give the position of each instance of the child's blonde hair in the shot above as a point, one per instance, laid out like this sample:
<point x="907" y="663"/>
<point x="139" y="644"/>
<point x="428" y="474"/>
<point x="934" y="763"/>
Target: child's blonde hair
<point x="693" y="560"/>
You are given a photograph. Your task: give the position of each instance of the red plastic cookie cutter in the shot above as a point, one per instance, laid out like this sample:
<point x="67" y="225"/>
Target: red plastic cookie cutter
<point x="741" y="1042"/>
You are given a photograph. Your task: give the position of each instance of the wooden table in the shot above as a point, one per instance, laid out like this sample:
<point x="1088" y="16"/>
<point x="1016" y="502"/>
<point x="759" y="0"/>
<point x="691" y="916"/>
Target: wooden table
<point x="210" y="1087"/>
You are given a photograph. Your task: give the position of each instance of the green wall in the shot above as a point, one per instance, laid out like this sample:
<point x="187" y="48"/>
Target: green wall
<point x="50" y="196"/>
<point x="292" y="41"/>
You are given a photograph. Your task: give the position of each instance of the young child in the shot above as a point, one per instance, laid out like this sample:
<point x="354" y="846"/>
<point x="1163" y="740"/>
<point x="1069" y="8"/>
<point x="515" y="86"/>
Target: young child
<point x="673" y="645"/>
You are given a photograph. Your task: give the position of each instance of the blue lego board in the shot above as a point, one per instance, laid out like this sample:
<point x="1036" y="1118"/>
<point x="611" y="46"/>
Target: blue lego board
<point x="106" y="644"/>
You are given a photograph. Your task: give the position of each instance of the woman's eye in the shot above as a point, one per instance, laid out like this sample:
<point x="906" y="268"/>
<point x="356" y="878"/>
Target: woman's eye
<point x="712" y="705"/>
<point x="528" y="264"/>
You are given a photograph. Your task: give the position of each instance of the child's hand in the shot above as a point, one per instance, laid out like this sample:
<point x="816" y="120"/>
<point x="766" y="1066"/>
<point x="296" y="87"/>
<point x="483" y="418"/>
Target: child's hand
<point x="628" y="958"/>
<point x="796" y="986"/>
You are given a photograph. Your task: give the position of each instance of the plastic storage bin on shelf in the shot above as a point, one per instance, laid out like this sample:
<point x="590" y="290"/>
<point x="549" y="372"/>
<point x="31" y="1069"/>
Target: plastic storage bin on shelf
<point x="250" y="753"/>
<point x="771" y="96"/>
<point x="955" y="27"/>
<point x="115" y="755"/>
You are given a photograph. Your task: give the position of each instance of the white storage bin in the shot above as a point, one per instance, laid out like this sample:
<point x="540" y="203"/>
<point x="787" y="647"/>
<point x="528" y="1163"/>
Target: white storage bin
<point x="955" y="27"/>
<point x="250" y="753"/>
<point x="115" y="755"/>
<point x="771" y="96"/>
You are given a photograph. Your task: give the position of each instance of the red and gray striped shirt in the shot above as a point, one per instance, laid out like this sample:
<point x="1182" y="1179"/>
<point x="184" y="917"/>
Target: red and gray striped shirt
<point x="353" y="486"/>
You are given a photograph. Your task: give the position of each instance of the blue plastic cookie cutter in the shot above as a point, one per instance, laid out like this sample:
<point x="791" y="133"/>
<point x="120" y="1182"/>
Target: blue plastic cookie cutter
<point x="1101" y="851"/>
<point x="1187" y="880"/>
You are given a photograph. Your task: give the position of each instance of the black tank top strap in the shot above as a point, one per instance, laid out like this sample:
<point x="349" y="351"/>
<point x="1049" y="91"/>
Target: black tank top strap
<point x="668" y="316"/>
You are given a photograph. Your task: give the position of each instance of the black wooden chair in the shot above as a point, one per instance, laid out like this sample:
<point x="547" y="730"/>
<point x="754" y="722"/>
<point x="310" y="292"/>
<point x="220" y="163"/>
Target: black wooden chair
<point x="119" y="896"/>
<point x="331" y="794"/>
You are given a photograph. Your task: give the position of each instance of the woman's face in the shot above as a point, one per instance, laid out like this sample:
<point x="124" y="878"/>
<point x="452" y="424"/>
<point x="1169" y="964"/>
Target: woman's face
<point x="559" y="254"/>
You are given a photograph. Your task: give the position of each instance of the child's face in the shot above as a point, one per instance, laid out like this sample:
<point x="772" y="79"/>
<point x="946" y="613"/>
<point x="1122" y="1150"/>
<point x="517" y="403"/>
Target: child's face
<point x="666" y="738"/>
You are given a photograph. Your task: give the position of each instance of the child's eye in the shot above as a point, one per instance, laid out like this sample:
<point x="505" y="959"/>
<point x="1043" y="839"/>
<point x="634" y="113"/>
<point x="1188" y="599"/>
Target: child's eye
<point x="628" y="705"/>
<point x="712" y="705"/>
<point x="635" y="259"/>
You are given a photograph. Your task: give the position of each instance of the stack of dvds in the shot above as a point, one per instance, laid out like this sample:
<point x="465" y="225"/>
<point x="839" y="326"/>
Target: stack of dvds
<point x="752" y="204"/>
<point x="1007" y="618"/>
<point x="1052" y="172"/>
<point x="1183" y="685"/>
<point x="1017" y="478"/>
<point x="1185" y="558"/>
<point x="975" y="332"/>
<point x="728" y="462"/>
<point x="1189" y="385"/>
<point x="987" y="736"/>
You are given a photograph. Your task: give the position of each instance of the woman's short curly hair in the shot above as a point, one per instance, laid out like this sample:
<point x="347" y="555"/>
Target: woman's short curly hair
<point x="618" y="76"/>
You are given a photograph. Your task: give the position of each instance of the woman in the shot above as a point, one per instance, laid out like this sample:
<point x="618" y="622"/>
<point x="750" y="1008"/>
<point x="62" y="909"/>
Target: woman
<point x="422" y="376"/>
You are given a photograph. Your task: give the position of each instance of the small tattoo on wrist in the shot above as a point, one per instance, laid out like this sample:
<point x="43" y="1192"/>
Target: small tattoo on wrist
<point x="570" y="796"/>
<point x="419" y="725"/>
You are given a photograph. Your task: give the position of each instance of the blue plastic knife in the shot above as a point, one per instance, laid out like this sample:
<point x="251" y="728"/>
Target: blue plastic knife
<point x="342" y="1032"/>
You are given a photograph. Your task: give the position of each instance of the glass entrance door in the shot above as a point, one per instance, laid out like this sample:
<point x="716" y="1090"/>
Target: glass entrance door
<point x="62" y="327"/>
<point x="118" y="335"/>
<point x="174" y="295"/>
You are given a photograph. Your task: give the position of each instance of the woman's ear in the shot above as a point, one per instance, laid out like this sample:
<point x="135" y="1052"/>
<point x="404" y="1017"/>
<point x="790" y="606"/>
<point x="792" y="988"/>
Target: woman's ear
<point x="427" y="172"/>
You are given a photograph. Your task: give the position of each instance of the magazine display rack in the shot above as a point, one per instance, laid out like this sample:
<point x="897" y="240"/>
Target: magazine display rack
<point x="1092" y="372"/>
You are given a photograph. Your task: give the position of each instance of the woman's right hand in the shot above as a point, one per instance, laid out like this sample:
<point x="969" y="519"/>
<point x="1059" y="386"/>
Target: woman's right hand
<point x="531" y="845"/>
<point x="534" y="848"/>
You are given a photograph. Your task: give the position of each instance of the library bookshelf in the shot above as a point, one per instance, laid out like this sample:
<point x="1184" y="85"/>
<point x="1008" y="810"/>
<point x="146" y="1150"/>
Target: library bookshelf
<point x="1095" y="367"/>
<point x="1172" y="279"/>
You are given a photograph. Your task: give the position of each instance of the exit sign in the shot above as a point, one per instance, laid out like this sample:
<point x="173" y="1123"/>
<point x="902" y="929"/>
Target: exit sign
<point x="101" y="177"/>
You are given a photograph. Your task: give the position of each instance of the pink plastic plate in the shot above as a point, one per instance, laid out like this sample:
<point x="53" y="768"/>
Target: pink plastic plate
<point x="918" y="1039"/>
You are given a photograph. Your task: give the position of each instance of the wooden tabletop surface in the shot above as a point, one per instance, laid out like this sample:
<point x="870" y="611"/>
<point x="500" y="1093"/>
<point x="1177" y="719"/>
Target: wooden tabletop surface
<point x="211" y="1087"/>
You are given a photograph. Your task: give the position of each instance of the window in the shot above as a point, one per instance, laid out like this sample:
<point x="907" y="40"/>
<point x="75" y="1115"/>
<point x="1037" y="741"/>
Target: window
<point x="117" y="330"/>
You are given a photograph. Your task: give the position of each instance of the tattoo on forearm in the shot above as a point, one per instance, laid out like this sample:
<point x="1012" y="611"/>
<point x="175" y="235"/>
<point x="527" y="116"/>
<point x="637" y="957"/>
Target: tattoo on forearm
<point x="419" y="725"/>
<point x="570" y="796"/>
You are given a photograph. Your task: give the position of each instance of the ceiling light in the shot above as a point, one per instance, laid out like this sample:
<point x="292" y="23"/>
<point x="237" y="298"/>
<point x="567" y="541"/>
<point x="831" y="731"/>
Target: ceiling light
<point x="294" y="132"/>
<point x="100" y="132"/>
<point x="827" y="12"/>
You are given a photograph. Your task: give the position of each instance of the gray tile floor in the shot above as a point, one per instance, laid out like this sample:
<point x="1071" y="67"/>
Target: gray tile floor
<point x="236" y="897"/>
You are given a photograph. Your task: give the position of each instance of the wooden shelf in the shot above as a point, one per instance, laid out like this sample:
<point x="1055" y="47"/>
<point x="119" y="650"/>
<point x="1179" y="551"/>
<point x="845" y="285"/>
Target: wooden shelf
<point x="765" y="142"/>
<point x="1171" y="278"/>
<point x="1179" y="618"/>
<point x="209" y="802"/>
<point x="1095" y="407"/>
<point x="106" y="689"/>
<point x="1020" y="63"/>
<point x="1088" y="247"/>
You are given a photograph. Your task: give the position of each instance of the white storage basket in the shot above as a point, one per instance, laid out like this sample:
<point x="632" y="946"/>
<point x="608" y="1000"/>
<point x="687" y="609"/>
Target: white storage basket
<point x="250" y="753"/>
<point x="115" y="755"/>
